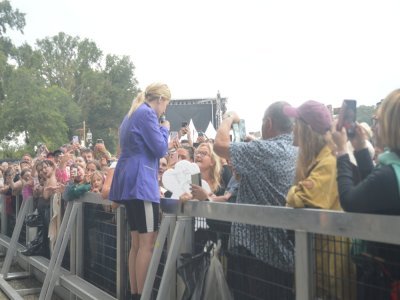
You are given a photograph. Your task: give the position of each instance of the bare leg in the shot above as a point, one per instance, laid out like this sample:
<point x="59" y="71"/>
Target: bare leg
<point x="132" y="261"/>
<point x="146" y="246"/>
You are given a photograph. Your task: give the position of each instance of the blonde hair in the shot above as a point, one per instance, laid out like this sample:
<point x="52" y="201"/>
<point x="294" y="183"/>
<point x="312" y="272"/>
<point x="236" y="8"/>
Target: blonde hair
<point x="310" y="145"/>
<point x="155" y="91"/>
<point x="96" y="174"/>
<point x="389" y="121"/>
<point x="215" y="172"/>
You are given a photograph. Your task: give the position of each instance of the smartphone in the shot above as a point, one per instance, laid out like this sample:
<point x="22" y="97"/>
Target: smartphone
<point x="239" y="131"/>
<point x="242" y="130"/>
<point x="184" y="124"/>
<point x="75" y="139"/>
<point x="173" y="135"/>
<point x="200" y="133"/>
<point x="99" y="141"/>
<point x="347" y="117"/>
<point x="196" y="179"/>
<point x="74" y="172"/>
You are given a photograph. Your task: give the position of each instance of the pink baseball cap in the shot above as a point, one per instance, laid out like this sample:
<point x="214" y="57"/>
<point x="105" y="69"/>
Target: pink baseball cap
<point x="314" y="113"/>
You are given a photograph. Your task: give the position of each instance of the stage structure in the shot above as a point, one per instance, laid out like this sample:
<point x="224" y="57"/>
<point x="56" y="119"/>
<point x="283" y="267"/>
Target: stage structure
<point x="201" y="111"/>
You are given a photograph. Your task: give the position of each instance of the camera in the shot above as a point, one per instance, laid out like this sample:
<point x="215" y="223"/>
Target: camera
<point x="99" y="141"/>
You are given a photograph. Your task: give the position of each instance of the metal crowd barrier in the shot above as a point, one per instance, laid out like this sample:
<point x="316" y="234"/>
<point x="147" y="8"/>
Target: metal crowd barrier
<point x="50" y="272"/>
<point x="177" y="232"/>
<point x="304" y="222"/>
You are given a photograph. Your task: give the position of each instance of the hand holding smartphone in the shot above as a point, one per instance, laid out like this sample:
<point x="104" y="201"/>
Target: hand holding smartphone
<point x="196" y="179"/>
<point x="239" y="131"/>
<point x="173" y="135"/>
<point x="347" y="117"/>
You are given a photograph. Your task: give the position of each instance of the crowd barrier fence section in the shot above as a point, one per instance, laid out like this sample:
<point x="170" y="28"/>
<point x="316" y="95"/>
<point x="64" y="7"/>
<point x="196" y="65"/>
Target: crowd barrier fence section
<point x="179" y="238"/>
<point x="305" y="223"/>
<point x="49" y="272"/>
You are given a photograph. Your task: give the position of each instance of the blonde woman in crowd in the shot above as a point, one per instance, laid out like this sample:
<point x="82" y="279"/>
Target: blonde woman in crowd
<point x="143" y="141"/>
<point x="210" y="169"/>
<point x="316" y="187"/>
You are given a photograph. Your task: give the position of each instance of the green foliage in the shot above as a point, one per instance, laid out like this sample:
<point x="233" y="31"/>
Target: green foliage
<point x="365" y="113"/>
<point x="13" y="19"/>
<point x="8" y="151"/>
<point x="50" y="89"/>
<point x="26" y="57"/>
<point x="27" y="111"/>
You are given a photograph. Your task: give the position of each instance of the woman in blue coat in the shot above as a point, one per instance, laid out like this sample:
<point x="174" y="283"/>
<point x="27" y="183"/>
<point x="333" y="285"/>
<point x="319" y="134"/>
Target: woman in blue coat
<point x="143" y="141"/>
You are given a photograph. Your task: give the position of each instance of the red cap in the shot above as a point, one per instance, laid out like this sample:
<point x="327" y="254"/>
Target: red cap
<point x="315" y="114"/>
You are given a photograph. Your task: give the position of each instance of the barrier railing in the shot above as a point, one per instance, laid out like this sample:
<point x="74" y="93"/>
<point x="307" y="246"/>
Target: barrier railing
<point x="304" y="222"/>
<point x="70" y="233"/>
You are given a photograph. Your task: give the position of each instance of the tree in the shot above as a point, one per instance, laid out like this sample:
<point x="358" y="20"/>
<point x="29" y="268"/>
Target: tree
<point x="103" y="94"/>
<point x="28" y="58"/>
<point x="117" y="94"/>
<point x="10" y="18"/>
<point x="365" y="113"/>
<point x="60" y="83"/>
<point x="27" y="111"/>
<point x="107" y="98"/>
<point x="65" y="59"/>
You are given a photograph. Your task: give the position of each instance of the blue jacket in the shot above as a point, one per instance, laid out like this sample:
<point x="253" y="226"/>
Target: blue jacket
<point x="143" y="142"/>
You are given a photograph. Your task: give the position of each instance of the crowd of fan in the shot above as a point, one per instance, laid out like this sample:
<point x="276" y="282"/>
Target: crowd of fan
<point x="253" y="172"/>
<point x="66" y="173"/>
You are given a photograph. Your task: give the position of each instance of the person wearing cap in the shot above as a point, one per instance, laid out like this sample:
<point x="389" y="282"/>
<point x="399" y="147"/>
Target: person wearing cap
<point x="266" y="168"/>
<point x="316" y="187"/>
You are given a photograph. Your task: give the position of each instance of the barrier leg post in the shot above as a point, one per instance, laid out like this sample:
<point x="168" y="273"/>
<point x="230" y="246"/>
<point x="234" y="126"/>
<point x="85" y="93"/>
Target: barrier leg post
<point x="303" y="264"/>
<point x="170" y="264"/>
<point x="155" y="259"/>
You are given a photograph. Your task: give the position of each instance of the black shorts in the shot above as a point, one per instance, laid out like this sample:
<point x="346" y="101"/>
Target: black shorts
<point x="143" y="216"/>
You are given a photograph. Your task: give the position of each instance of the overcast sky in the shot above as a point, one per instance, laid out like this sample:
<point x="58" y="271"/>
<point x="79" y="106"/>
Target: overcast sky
<point x="253" y="52"/>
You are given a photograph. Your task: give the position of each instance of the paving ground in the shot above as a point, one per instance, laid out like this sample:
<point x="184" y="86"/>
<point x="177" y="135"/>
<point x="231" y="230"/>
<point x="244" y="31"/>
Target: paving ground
<point x="22" y="283"/>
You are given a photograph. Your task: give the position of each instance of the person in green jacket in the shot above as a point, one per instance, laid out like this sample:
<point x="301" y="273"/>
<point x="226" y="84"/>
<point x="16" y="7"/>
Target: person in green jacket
<point x="77" y="185"/>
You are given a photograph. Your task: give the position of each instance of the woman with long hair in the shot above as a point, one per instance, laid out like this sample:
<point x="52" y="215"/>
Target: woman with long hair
<point x="143" y="141"/>
<point x="316" y="187"/>
<point x="378" y="192"/>
<point x="210" y="169"/>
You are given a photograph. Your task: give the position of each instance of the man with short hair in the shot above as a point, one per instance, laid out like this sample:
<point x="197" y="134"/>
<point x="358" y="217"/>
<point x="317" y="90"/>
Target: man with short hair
<point x="28" y="158"/>
<point x="266" y="169"/>
<point x="87" y="154"/>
